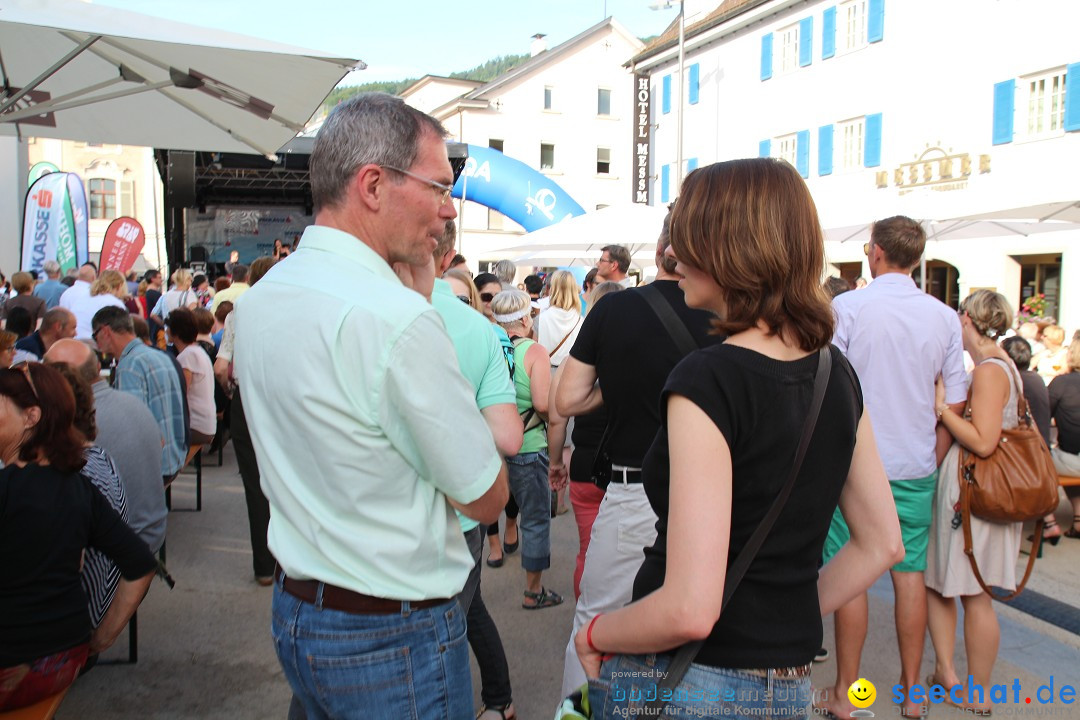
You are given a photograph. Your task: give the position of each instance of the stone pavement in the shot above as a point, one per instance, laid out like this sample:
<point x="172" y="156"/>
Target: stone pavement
<point x="205" y="650"/>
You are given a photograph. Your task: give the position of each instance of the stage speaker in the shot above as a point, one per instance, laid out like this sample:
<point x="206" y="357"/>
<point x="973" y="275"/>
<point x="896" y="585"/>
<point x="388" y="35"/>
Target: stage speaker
<point x="197" y="253"/>
<point x="181" y="178"/>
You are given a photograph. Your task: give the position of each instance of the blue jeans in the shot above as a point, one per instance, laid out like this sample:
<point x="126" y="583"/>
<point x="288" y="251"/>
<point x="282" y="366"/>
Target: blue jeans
<point x="343" y="665"/>
<point x="628" y="682"/>
<point x="529" y="483"/>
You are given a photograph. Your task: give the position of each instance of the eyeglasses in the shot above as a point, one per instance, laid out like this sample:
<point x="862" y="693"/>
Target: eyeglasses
<point x="443" y="191"/>
<point x="94" y="334"/>
<point x="604" y="259"/>
<point x="25" y="368"/>
<point x="487" y="297"/>
<point x="465" y="299"/>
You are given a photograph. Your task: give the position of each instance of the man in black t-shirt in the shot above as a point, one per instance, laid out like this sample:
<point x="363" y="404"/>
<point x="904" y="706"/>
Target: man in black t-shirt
<point x="625" y="346"/>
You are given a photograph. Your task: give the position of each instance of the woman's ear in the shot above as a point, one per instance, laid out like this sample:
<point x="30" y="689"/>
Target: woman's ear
<point x="32" y="416"/>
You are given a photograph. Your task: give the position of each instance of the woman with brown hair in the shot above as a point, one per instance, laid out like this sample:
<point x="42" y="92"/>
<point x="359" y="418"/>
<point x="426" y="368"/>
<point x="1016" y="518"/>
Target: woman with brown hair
<point x="750" y="250"/>
<point x="23" y="283"/>
<point x="48" y="514"/>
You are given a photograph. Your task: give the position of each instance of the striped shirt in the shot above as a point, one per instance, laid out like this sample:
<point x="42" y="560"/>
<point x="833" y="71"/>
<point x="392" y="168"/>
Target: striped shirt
<point x="100" y="576"/>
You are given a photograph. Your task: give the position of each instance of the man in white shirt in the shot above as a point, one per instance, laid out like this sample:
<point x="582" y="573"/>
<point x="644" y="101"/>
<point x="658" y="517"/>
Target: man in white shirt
<point x="613" y="265"/>
<point x="899" y="340"/>
<point x="74" y="299"/>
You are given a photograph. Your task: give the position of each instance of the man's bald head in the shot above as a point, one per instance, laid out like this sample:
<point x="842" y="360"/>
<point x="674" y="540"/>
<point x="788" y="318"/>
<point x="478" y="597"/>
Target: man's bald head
<point x="87" y="273"/>
<point x="78" y="356"/>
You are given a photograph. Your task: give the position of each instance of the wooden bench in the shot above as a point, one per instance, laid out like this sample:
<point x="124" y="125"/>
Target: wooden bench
<point x="41" y="710"/>
<point x="1068" y="481"/>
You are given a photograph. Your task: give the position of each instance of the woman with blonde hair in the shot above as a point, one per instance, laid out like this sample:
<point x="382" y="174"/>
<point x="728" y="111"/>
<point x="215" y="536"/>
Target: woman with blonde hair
<point x="110" y="288"/>
<point x="179" y="295"/>
<point x="750" y="250"/>
<point x="463" y="287"/>
<point x="1050" y="362"/>
<point x="558" y="325"/>
<point x="992" y="407"/>
<point x="528" y="470"/>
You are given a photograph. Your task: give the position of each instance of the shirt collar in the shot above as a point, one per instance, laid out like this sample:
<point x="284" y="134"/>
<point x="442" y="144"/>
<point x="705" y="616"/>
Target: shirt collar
<point x="129" y="348"/>
<point x="442" y="288"/>
<point x="895" y="278"/>
<point x="339" y="242"/>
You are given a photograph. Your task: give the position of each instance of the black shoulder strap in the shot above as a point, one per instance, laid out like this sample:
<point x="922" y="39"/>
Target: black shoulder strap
<point x="686" y="654"/>
<point x="671" y="321"/>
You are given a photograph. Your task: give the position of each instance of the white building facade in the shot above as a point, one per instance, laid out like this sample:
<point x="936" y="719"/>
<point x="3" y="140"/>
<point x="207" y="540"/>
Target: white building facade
<point x="566" y="112"/>
<point x="934" y="110"/>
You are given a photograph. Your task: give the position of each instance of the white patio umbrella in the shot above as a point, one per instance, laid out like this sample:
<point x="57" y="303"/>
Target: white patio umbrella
<point x="78" y="71"/>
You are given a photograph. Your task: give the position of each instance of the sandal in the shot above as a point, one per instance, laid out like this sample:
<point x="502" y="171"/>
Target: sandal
<point x="506" y="712"/>
<point x="543" y="599"/>
<point x="1047" y="536"/>
<point x="1073" y="532"/>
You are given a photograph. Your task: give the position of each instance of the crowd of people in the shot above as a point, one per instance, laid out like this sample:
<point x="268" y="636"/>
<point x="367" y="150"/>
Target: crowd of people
<point x="745" y="448"/>
<point x="88" y="456"/>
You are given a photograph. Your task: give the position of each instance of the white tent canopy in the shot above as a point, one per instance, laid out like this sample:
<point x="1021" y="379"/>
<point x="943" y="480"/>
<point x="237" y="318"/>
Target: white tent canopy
<point x="78" y="71"/>
<point x="578" y="240"/>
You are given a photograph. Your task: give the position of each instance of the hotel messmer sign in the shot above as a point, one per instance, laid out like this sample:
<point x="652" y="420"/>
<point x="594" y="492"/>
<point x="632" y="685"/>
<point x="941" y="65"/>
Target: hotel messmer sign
<point x="642" y="139"/>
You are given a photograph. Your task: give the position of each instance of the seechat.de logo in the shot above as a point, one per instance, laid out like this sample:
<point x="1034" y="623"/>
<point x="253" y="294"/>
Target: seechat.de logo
<point x="43" y="198"/>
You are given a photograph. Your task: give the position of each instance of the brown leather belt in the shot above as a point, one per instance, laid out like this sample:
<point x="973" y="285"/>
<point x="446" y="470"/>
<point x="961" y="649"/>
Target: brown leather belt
<point x="336" y="598"/>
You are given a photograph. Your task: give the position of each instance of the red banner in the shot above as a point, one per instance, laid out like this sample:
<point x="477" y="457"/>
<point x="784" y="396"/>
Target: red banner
<point x="124" y="241"/>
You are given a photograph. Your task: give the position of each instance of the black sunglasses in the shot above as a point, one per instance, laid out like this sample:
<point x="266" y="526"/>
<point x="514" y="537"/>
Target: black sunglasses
<point x="487" y="297"/>
<point x="465" y="299"/>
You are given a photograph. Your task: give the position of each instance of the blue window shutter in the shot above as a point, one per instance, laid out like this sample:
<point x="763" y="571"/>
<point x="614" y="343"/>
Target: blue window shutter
<point x="665" y="103"/>
<point x="875" y="23"/>
<point x="1004" y="99"/>
<point x="802" y="152"/>
<point x="825" y="150"/>
<point x="828" y="33"/>
<point x="806" y="41"/>
<point x="665" y="183"/>
<point x="695" y="73"/>
<point x="766" y="56"/>
<point x="1072" y="97"/>
<point x="691" y="165"/>
<point x="764" y="148"/>
<point x="872" y="150"/>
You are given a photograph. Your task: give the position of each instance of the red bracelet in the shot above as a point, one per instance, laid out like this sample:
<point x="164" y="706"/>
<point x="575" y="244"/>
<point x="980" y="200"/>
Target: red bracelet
<point x="588" y="634"/>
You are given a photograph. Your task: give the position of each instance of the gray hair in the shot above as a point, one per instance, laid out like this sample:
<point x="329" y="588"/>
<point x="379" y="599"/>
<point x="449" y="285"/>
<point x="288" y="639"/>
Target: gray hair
<point x="117" y="319"/>
<point x="51" y="268"/>
<point x="506" y="271"/>
<point x="370" y="128"/>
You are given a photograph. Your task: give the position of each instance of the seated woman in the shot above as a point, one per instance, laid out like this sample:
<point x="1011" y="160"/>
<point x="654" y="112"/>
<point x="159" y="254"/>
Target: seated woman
<point x="49" y="514"/>
<point x="100" y="575"/>
<point x="199" y="375"/>
<point x="749" y="247"/>
<point x="1050" y="362"/>
<point x="1065" y="409"/>
<point x="992" y="398"/>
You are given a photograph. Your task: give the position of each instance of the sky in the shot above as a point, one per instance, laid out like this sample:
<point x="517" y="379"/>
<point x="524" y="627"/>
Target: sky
<point x="401" y="39"/>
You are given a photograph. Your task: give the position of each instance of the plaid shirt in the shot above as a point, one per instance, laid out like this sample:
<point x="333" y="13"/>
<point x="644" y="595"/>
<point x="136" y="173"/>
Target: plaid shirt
<point x="151" y="376"/>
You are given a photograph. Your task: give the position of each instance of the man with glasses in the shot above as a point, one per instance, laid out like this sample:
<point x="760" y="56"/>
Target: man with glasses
<point x="152" y="376"/>
<point x="369" y="439"/>
<point x="613" y="265"/>
<point x="900" y="340"/>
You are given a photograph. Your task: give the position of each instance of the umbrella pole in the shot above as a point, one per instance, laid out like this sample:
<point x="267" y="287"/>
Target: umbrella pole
<point x="49" y="72"/>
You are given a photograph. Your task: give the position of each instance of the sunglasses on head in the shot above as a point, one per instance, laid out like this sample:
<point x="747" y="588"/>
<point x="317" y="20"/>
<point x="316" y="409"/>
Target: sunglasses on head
<point x="487" y="297"/>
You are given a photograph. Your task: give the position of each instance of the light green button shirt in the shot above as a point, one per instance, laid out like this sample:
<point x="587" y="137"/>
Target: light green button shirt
<point x="362" y="423"/>
<point x="479" y="353"/>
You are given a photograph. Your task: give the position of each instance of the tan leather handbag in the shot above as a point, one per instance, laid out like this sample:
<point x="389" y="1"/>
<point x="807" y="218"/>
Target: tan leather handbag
<point x="1015" y="483"/>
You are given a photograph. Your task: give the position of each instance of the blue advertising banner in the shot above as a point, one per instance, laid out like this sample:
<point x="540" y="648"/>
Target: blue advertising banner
<point x="527" y="197"/>
<point x="55" y="223"/>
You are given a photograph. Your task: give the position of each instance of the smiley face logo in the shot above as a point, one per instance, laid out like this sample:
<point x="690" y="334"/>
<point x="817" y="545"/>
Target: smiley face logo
<point x="862" y="693"/>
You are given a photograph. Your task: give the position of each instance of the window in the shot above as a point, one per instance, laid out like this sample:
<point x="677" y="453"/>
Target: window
<point x="850" y="149"/>
<point x="851" y="30"/>
<point x="547" y="97"/>
<point x="603" y="101"/>
<point x="1045" y="103"/>
<point x="603" y="161"/>
<point x="665" y="98"/>
<point x="788" y="55"/>
<point x="786" y="148"/>
<point x="547" y="156"/>
<point x="102" y="199"/>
